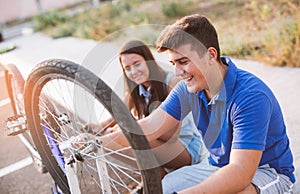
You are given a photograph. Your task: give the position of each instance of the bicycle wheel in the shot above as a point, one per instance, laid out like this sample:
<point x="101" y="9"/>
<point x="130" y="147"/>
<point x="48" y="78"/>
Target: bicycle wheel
<point x="60" y="98"/>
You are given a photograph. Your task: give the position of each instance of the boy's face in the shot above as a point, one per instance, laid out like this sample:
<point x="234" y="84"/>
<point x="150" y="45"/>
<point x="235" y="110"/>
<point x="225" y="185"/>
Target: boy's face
<point x="184" y="60"/>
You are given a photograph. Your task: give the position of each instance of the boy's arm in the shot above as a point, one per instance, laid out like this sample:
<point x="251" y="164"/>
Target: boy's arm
<point x="232" y="178"/>
<point x="158" y="124"/>
<point x="154" y="126"/>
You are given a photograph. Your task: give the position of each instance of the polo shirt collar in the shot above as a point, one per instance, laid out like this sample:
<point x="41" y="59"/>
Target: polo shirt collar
<point x="230" y="77"/>
<point x="228" y="85"/>
<point x="143" y="91"/>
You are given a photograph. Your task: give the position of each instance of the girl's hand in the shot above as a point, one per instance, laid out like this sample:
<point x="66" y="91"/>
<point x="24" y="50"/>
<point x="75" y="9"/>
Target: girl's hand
<point x="93" y="129"/>
<point x="113" y="129"/>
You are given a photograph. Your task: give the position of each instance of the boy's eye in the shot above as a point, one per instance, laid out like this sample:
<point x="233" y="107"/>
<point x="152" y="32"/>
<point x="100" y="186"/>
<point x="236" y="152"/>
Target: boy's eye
<point x="183" y="62"/>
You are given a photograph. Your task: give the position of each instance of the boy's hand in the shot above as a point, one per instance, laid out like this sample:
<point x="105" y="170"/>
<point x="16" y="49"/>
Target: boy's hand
<point x="81" y="141"/>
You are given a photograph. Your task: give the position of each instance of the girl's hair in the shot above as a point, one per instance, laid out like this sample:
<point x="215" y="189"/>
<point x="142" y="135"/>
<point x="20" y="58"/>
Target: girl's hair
<point x="157" y="75"/>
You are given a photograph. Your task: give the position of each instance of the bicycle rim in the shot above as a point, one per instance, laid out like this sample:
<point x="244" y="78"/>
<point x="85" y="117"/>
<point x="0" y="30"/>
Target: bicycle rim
<point x="60" y="98"/>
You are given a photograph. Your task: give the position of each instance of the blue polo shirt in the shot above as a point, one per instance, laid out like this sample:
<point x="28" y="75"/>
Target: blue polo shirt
<point x="243" y="115"/>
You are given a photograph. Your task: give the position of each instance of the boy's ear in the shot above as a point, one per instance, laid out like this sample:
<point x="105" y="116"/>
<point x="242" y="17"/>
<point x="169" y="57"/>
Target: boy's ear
<point x="212" y="52"/>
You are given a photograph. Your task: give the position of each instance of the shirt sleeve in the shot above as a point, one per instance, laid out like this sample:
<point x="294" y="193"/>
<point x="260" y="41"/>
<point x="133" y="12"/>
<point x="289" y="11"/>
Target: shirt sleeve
<point x="177" y="104"/>
<point x="250" y="118"/>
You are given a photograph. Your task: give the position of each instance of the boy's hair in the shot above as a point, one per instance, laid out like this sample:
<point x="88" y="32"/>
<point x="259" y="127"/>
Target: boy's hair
<point x="195" y="30"/>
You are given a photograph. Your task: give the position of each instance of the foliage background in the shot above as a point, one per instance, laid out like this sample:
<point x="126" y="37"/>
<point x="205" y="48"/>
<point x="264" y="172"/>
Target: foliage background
<point x="263" y="30"/>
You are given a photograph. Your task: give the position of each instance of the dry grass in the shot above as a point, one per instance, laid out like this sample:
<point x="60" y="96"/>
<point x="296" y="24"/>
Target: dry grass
<point x="263" y="30"/>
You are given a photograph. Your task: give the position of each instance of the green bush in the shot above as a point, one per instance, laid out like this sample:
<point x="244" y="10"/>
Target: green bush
<point x="174" y="9"/>
<point x="49" y="19"/>
<point x="118" y="8"/>
<point x="64" y="30"/>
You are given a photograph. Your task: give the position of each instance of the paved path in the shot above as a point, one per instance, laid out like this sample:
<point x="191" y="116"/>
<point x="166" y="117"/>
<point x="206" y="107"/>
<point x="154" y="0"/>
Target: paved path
<point x="102" y="59"/>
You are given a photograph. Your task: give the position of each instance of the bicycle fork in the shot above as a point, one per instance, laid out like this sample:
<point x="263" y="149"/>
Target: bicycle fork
<point x="76" y="160"/>
<point x="71" y="166"/>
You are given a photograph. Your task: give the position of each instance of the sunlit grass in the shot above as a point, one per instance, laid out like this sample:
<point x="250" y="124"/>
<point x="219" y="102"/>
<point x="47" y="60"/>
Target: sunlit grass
<point x="263" y="30"/>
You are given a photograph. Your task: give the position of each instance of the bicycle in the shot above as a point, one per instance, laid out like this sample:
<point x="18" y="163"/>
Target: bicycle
<point x="60" y="98"/>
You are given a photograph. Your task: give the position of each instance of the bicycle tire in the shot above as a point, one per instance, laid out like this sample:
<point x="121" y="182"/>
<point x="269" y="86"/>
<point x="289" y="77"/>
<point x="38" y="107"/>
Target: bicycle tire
<point x="37" y="103"/>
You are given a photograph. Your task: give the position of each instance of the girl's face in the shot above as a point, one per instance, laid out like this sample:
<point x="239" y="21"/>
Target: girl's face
<point x="135" y="68"/>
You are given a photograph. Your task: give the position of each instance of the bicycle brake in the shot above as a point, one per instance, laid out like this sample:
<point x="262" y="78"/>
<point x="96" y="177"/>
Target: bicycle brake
<point x="74" y="158"/>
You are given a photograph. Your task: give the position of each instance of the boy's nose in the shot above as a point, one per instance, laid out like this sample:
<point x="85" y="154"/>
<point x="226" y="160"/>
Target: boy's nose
<point x="178" y="71"/>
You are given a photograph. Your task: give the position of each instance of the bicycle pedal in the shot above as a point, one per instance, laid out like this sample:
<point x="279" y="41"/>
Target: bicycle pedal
<point x="15" y="125"/>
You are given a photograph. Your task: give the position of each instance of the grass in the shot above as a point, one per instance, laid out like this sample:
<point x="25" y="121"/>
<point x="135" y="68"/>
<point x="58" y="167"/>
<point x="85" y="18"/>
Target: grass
<point x="7" y="48"/>
<point x="263" y="30"/>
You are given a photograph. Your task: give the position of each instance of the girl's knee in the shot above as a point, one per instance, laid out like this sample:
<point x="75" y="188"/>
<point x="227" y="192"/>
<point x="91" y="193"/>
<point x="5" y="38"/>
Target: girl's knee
<point x="169" y="183"/>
